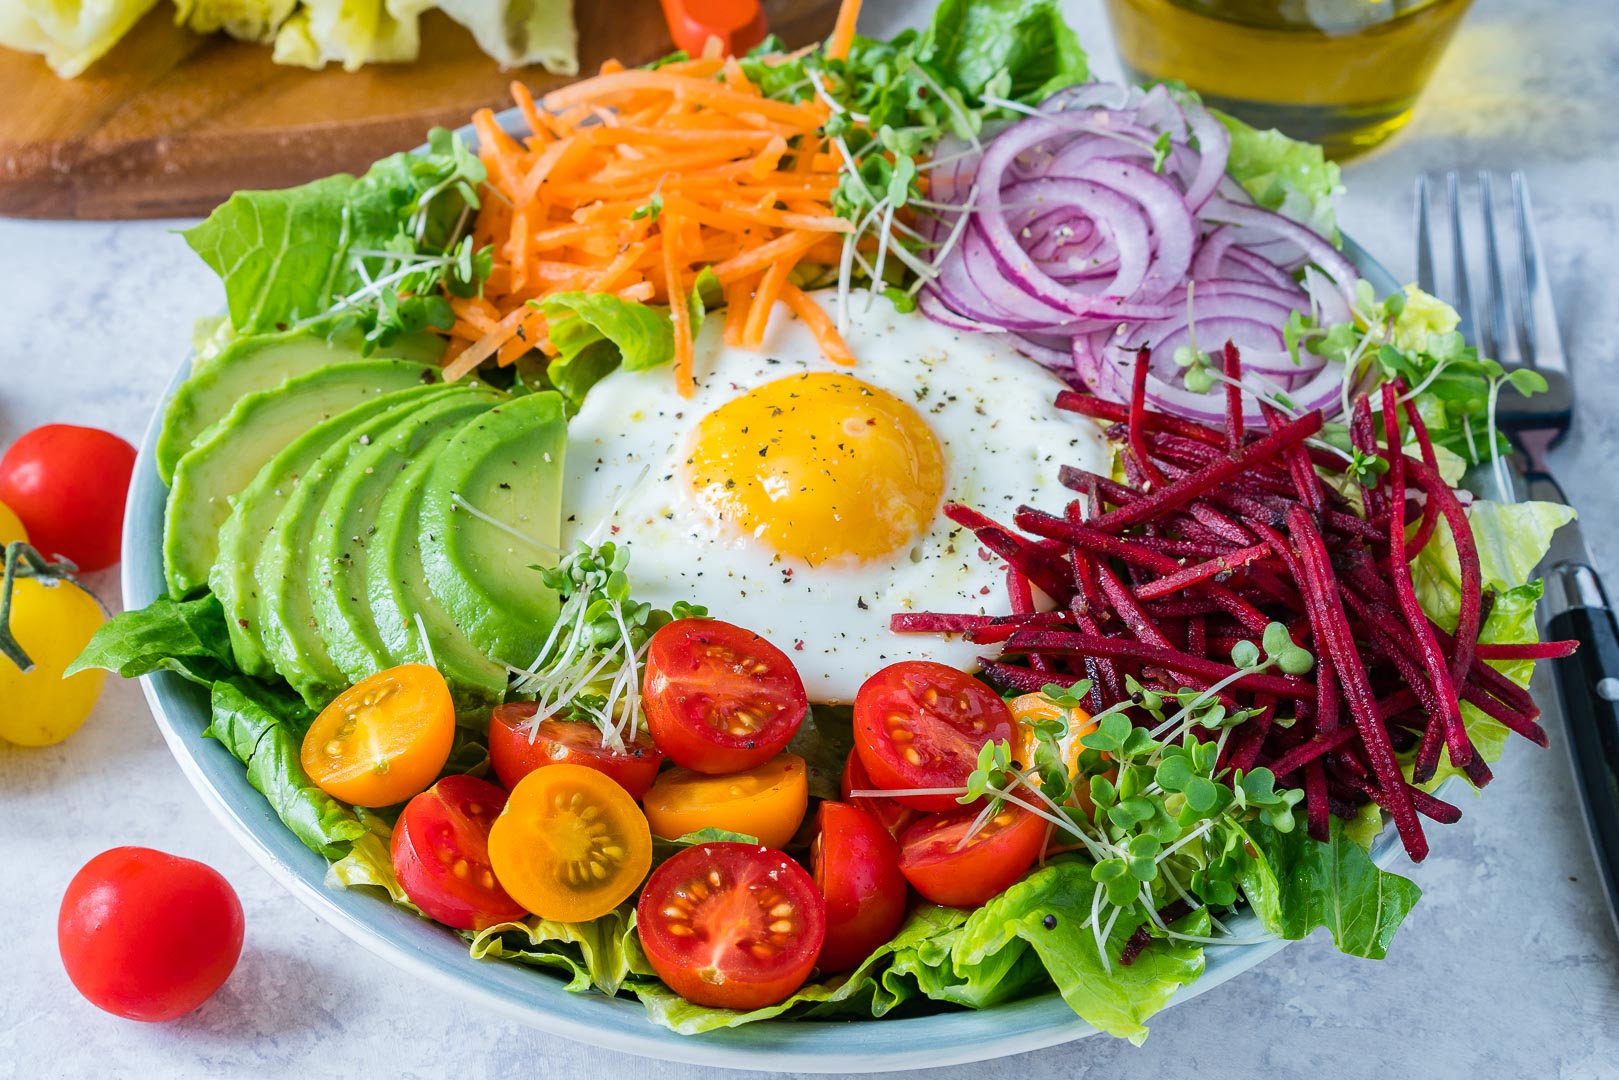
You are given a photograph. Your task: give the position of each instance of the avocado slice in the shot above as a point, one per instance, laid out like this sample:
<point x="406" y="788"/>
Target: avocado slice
<point x="230" y="454"/>
<point x="285" y="614"/>
<point x="260" y="362"/>
<point x="341" y="545"/>
<point x="491" y="510"/>
<point x="399" y="596"/>
<point x="252" y="520"/>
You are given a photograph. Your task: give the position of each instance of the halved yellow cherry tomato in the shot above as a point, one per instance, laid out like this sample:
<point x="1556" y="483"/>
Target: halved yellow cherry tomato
<point x="384" y="739"/>
<point x="767" y="801"/>
<point x="53" y="621"/>
<point x="1030" y="709"/>
<point x="571" y="844"/>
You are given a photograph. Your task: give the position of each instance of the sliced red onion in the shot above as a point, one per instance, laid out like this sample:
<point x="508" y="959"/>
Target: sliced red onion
<point x="1087" y="240"/>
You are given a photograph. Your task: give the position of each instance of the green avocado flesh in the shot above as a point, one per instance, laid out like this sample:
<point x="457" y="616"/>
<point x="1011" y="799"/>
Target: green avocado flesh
<point x="491" y="511"/>
<point x="400" y="597"/>
<point x="285" y="612"/>
<point x="254" y="364"/>
<point x="341" y="545"/>
<point x="229" y="455"/>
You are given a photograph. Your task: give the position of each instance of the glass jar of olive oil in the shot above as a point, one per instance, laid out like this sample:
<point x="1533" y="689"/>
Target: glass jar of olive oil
<point x="1343" y="73"/>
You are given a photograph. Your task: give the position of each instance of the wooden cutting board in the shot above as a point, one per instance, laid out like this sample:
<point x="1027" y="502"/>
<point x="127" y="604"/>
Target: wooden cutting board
<point x="169" y="123"/>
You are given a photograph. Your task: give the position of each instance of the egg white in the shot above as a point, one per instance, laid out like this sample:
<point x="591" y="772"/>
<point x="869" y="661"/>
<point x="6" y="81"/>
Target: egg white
<point x="990" y="408"/>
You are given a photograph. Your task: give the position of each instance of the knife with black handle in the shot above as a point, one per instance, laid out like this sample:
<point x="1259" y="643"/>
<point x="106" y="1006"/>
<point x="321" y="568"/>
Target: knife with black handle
<point x="1576" y="607"/>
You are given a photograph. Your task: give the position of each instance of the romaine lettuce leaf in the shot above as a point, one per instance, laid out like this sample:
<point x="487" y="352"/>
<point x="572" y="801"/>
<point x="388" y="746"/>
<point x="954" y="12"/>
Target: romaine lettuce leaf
<point x="1291" y="177"/>
<point x="70" y="34"/>
<point x="521" y="32"/>
<point x="349" y="32"/>
<point x="263" y="735"/>
<point x="604" y="953"/>
<point x="1512" y="538"/>
<point x="186" y="637"/>
<point x="1295" y="884"/>
<point x="1047" y="911"/>
<point x="595" y="334"/>
<point x="286" y="255"/>
<point x="1023" y="49"/>
<point x="245" y="20"/>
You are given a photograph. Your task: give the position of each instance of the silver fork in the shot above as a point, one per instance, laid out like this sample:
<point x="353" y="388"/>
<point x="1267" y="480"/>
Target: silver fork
<point x="1519" y="329"/>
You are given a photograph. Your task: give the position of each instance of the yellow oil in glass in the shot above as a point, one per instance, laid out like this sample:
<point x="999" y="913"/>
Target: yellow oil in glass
<point x="1343" y="73"/>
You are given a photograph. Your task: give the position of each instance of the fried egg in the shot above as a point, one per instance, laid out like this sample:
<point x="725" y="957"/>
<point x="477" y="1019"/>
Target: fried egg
<point x="804" y="500"/>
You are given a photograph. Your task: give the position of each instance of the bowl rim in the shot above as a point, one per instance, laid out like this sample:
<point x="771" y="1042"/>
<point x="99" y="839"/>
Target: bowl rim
<point x="537" y="998"/>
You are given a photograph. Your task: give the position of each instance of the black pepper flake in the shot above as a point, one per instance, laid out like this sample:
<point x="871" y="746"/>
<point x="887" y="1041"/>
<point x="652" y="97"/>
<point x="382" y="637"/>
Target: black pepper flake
<point x="860" y="602"/>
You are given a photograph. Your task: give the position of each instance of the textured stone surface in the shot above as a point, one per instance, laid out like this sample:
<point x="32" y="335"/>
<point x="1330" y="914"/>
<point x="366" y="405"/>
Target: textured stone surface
<point x="1507" y="969"/>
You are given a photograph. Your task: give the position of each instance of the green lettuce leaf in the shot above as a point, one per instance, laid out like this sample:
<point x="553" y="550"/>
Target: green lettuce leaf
<point x="1512" y="538"/>
<point x="187" y="637"/>
<point x="1023" y="49"/>
<point x="286" y="255"/>
<point x="369" y="863"/>
<point x="518" y="33"/>
<point x="1511" y="621"/>
<point x="350" y="32"/>
<point x="1115" y="998"/>
<point x="1296" y="884"/>
<point x="70" y="34"/>
<point x="245" y="20"/>
<point x="604" y="953"/>
<point x="1291" y="177"/>
<point x="265" y="734"/>
<point x="596" y="334"/>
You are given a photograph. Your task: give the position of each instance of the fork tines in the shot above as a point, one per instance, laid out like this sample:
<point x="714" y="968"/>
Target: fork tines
<point x="1515" y="322"/>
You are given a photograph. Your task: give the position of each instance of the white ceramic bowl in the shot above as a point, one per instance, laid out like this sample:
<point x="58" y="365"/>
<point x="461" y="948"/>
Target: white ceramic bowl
<point x="535" y="996"/>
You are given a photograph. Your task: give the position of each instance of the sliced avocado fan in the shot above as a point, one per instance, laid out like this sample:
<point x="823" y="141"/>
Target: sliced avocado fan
<point x="229" y="455"/>
<point x="261" y="362"/>
<point x="344" y="531"/>
<point x="404" y="608"/>
<point x="491" y="511"/>
<point x="252" y="522"/>
<point x="285" y="612"/>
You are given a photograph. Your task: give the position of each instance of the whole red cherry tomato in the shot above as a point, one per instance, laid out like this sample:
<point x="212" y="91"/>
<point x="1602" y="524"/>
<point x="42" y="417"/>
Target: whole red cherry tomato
<point x="146" y="935"/>
<point x="67" y="484"/>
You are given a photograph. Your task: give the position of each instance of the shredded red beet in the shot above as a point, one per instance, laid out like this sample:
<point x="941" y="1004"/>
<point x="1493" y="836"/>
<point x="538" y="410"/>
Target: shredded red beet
<point x="1219" y="533"/>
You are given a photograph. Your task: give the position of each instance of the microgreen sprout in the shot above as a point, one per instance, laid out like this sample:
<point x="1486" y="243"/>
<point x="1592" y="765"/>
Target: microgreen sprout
<point x="590" y="666"/>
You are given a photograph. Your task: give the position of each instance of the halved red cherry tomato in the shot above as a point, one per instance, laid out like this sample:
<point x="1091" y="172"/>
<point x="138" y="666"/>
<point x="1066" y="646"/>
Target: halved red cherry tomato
<point x="856" y="866"/>
<point x="720" y="699"/>
<point x="947" y="867"/>
<point x="67" y="484"/>
<point x="731" y="926"/>
<point x="147" y="935"/>
<point x="918" y="724"/>
<point x="441" y="854"/>
<point x="575" y="742"/>
<point x="896" y="817"/>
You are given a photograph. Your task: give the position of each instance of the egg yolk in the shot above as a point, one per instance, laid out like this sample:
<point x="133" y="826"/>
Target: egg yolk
<point x="819" y="466"/>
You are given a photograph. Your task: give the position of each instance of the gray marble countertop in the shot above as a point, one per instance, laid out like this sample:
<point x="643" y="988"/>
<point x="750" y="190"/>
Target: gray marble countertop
<point x="1507" y="969"/>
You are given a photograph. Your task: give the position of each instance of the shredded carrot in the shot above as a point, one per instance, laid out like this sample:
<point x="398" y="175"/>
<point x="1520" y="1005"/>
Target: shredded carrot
<point x="633" y="182"/>
<point x="820" y="324"/>
<point x="843" y="30"/>
<point x="677" y="307"/>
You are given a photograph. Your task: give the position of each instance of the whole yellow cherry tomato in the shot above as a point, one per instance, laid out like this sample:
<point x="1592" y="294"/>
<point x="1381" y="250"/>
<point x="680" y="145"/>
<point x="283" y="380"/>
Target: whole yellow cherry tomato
<point x="11" y="527"/>
<point x="52" y="620"/>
